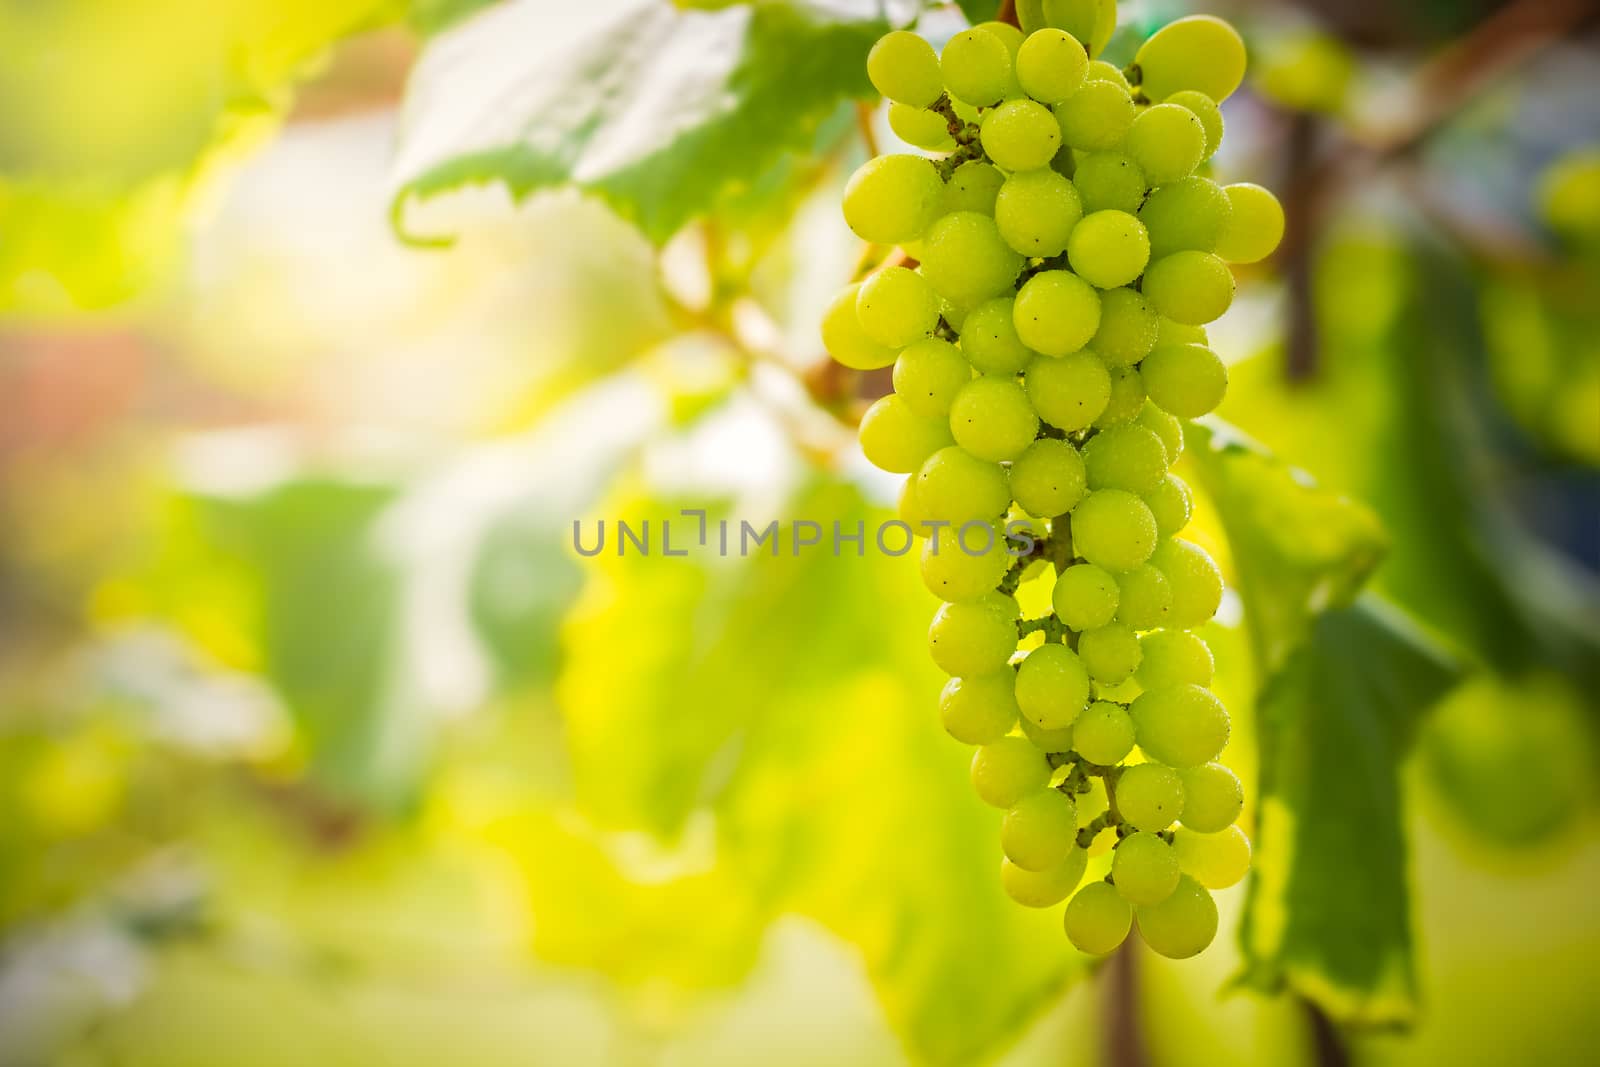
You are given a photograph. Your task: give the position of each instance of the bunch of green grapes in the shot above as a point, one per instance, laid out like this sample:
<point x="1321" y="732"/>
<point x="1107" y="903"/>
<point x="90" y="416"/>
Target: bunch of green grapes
<point x="1045" y="319"/>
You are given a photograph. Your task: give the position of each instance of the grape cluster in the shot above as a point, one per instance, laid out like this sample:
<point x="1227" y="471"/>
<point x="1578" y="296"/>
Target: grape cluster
<point x="1045" y="321"/>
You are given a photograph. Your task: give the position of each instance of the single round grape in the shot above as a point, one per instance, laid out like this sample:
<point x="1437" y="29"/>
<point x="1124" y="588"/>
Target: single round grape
<point x="1196" y="582"/>
<point x="1150" y="796"/>
<point x="1085" y="597"/>
<point x="973" y="187"/>
<point x="1009" y="35"/>
<point x="1046" y="740"/>
<point x="907" y="510"/>
<point x="1096" y="117"/>
<point x="1097" y="919"/>
<point x="1185" y="380"/>
<point x="955" y="486"/>
<point x="1100" y="70"/>
<point x="992" y="419"/>
<point x="903" y="67"/>
<point x="1182" y="924"/>
<point x="1069" y="392"/>
<point x="1206" y="110"/>
<point x="1181" y="725"/>
<point x="1108" y="249"/>
<point x="897" y="306"/>
<point x="1127" y="397"/>
<point x="989" y="339"/>
<point x="1114" y="529"/>
<point x="1020" y="135"/>
<point x="1110" y="653"/>
<point x="1217" y="860"/>
<point x="1103" y="734"/>
<point x="975" y="637"/>
<point x="1177" y="333"/>
<point x="1044" y="889"/>
<point x="1007" y="770"/>
<point x="897" y="439"/>
<point x="893" y="199"/>
<point x="1051" y="65"/>
<point x="1056" y="312"/>
<point x="976" y="66"/>
<point x="1174" y="657"/>
<point x="1048" y="478"/>
<point x="1185" y="215"/>
<point x="1127" y="328"/>
<point x="1109" y="181"/>
<point x="981" y="709"/>
<point x="1145" y="600"/>
<point x="1212" y="798"/>
<point x="844" y="339"/>
<point x="1165" y="426"/>
<point x="1193" y="288"/>
<point x="920" y="128"/>
<point x="1040" y="830"/>
<point x="1036" y="212"/>
<point x="1144" y="868"/>
<point x="1167" y="141"/>
<point x="928" y="374"/>
<point x="967" y="260"/>
<point x="1090" y="21"/>
<point x="1254" y="227"/>
<point x="951" y="572"/>
<point x="1199" y="52"/>
<point x="1129" y="457"/>
<point x="1171" y="504"/>
<point x="1052" y="686"/>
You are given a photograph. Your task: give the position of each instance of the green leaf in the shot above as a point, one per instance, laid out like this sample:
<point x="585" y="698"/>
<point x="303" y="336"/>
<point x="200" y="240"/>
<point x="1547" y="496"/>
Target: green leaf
<point x="1328" y="909"/>
<point x="659" y="111"/>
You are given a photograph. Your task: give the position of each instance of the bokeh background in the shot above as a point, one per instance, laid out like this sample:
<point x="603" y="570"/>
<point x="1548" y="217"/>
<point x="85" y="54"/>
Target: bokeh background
<point x="320" y="745"/>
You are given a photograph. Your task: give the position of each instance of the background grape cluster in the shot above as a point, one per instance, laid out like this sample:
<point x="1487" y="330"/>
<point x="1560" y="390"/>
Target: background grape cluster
<point x="1045" y="320"/>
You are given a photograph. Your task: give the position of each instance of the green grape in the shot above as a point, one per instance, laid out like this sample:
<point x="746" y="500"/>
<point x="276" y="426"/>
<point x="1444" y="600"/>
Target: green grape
<point x="1109" y="181"/>
<point x="955" y="486"/>
<point x="1056" y="312"/>
<point x="1052" y="686"/>
<point x="1185" y="215"/>
<point x="1036" y="212"/>
<point x="1108" y="249"/>
<point x="1127" y="328"/>
<point x="1069" y="392"/>
<point x="1144" y="869"/>
<point x="1174" y="657"/>
<point x="1145" y="599"/>
<point x="1126" y="399"/>
<point x="897" y="306"/>
<point x="1085" y="597"/>
<point x="1196" y="582"/>
<point x="1184" y="380"/>
<point x="1048" y="478"/>
<point x="1167" y="141"/>
<point x="1097" y="919"/>
<point x="1254" y="227"/>
<point x="1103" y="734"/>
<point x="1165" y="426"/>
<point x="921" y="128"/>
<point x="1114" y="529"/>
<point x="1020" y="135"/>
<point x="1100" y="70"/>
<point x="1129" y="457"/>
<point x="1206" y="110"/>
<point x="967" y="260"/>
<point x="1111" y="653"/>
<point x="952" y="573"/>
<point x="1149" y="796"/>
<point x="892" y="199"/>
<point x="1007" y="770"/>
<point x="973" y="187"/>
<point x="897" y="439"/>
<point x="903" y="67"/>
<point x="989" y="339"/>
<point x="1217" y="860"/>
<point x="1181" y="725"/>
<point x="1040" y="830"/>
<point x="907" y="509"/>
<point x="1199" y="52"/>
<point x="1046" y="740"/>
<point x="1009" y="36"/>
<point x="1193" y="288"/>
<point x="976" y="67"/>
<point x="1044" y="889"/>
<point x="844" y="339"/>
<point x="992" y="419"/>
<point x="1212" y="798"/>
<point x="981" y="709"/>
<point x="1177" y="333"/>
<point x="975" y="637"/>
<point x="1171" y="504"/>
<point x="1090" y="21"/>
<point x="1051" y="65"/>
<point x="928" y="374"/>
<point x="1096" y="117"/>
<point x="1567" y="198"/>
<point x="1182" y="924"/>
